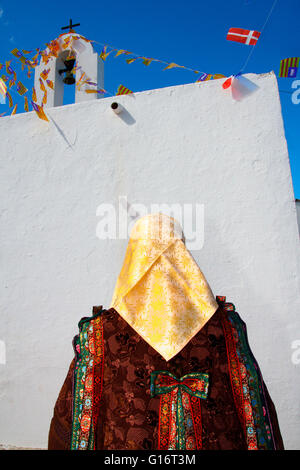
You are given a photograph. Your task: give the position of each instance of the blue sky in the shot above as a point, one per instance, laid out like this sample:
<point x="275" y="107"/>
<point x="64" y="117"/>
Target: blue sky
<point x="190" y="33"/>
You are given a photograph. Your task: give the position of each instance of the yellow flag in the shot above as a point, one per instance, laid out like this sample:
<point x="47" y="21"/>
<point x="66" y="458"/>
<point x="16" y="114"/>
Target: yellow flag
<point x="216" y="76"/>
<point x="44" y="101"/>
<point x="42" y="86"/>
<point x="100" y="91"/>
<point x="33" y="94"/>
<point x="14" y="110"/>
<point x="50" y="84"/>
<point x="26" y="108"/>
<point x="104" y="54"/>
<point x="147" y="61"/>
<point x="39" y="111"/>
<point x="129" y="61"/>
<point x="122" y="51"/>
<point x="172" y="65"/>
<point x="10" y="101"/>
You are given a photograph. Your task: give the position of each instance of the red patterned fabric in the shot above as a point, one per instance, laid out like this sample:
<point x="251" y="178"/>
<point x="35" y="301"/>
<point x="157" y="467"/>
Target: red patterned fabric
<point x="129" y="417"/>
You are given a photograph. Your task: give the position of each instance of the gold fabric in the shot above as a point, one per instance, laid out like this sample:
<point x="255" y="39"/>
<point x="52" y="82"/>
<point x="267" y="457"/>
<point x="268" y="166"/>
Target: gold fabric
<point x="161" y="292"/>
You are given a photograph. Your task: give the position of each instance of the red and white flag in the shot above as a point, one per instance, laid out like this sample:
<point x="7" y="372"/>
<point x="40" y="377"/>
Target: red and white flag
<point x="245" y="36"/>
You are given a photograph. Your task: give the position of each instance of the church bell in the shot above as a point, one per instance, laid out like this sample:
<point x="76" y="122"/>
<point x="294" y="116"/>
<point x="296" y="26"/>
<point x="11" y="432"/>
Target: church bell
<point x="69" y="77"/>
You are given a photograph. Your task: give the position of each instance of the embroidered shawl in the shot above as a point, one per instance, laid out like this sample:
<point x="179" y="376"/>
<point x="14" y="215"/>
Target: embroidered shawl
<point x="161" y="292"/>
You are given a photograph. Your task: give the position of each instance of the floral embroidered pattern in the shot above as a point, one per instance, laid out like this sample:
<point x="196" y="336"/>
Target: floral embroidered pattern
<point x="259" y="406"/>
<point x="247" y="384"/>
<point x="180" y="410"/>
<point x="125" y="416"/>
<point x="160" y="275"/>
<point x="89" y="353"/>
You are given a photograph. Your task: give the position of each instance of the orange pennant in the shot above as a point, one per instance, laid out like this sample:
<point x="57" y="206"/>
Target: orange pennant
<point x="172" y="65"/>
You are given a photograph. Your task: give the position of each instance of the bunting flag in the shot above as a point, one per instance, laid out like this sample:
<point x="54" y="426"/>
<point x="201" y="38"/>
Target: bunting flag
<point x="289" y="67"/>
<point x="39" y="111"/>
<point x="245" y="36"/>
<point x="3" y="90"/>
<point x="26" y="107"/>
<point x="204" y="77"/>
<point x="88" y="82"/>
<point x="121" y="51"/>
<point x="100" y="91"/>
<point x="122" y="90"/>
<point x="44" y="74"/>
<point x="33" y="94"/>
<point x="66" y="43"/>
<point x="14" y="110"/>
<point x="3" y="87"/>
<point x="227" y="83"/>
<point x="147" y="61"/>
<point x="79" y="84"/>
<point x="104" y="54"/>
<point x="44" y="100"/>
<point x="45" y="57"/>
<point x="129" y="61"/>
<point x="8" y="67"/>
<point x="50" y="84"/>
<point x="12" y="82"/>
<point x="1" y="65"/>
<point x="21" y="89"/>
<point x="10" y="101"/>
<point x="42" y="86"/>
<point x="172" y="65"/>
<point x="18" y="54"/>
<point x="34" y="59"/>
<point x="216" y="76"/>
<point x="54" y="48"/>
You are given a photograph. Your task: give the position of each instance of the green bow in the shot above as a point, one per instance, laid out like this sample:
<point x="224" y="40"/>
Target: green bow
<point x="195" y="384"/>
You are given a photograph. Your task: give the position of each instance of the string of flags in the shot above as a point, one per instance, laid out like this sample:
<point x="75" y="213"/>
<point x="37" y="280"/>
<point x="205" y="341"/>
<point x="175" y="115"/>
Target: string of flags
<point x="148" y="60"/>
<point x="239" y="85"/>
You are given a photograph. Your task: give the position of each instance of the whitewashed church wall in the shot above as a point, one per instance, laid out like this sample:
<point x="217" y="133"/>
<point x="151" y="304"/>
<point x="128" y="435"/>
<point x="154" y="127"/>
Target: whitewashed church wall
<point x="188" y="144"/>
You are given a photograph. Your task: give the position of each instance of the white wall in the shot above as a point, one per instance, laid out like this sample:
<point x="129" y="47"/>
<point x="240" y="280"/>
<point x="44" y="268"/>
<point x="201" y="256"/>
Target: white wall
<point x="182" y="144"/>
<point x="298" y="213"/>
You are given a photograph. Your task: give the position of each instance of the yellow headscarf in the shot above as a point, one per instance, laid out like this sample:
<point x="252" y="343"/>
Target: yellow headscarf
<point x="161" y="292"/>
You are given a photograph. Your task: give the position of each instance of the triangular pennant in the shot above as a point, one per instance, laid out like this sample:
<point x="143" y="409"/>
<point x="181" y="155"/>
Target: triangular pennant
<point x="26" y="107"/>
<point x="14" y="110"/>
<point x="147" y="61"/>
<point x="122" y="90"/>
<point x="172" y="65"/>
<point x="39" y="111"/>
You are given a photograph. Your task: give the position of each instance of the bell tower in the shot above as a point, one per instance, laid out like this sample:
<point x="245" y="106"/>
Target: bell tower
<point x="69" y="60"/>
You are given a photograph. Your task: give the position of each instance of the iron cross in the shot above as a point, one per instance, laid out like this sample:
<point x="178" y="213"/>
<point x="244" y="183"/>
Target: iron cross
<point x="70" y="26"/>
